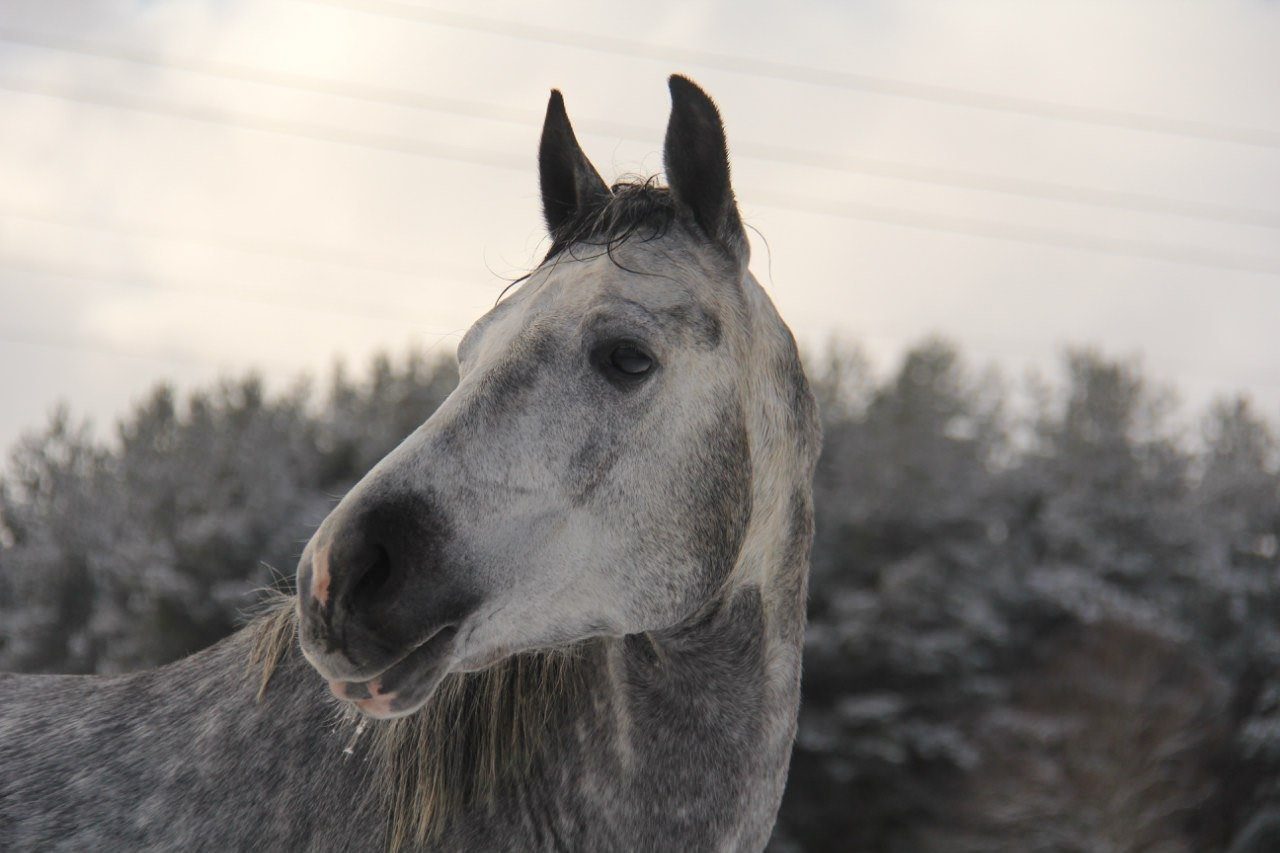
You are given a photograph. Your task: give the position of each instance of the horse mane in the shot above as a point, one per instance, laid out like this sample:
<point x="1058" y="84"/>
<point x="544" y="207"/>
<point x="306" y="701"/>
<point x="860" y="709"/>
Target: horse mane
<point x="480" y="730"/>
<point x="635" y="207"/>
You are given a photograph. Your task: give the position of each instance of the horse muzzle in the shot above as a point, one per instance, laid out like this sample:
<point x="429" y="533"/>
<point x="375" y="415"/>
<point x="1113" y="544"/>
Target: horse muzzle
<point x="379" y="600"/>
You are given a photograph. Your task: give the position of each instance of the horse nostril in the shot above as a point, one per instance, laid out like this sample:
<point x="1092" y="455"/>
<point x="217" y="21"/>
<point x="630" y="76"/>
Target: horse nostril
<point x="375" y="577"/>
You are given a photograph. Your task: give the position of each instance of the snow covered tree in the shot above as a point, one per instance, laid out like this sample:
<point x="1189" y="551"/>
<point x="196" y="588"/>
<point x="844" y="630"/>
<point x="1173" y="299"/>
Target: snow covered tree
<point x="1037" y="622"/>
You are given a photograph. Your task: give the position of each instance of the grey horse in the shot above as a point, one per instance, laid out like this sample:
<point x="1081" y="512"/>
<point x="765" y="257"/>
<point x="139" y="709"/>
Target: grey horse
<point x="567" y="612"/>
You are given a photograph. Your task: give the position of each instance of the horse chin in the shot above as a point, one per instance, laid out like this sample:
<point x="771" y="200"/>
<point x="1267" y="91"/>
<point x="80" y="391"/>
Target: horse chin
<point x="405" y="686"/>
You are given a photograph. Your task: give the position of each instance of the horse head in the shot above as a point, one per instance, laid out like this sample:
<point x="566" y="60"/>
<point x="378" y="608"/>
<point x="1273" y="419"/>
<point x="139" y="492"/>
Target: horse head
<point x="610" y="446"/>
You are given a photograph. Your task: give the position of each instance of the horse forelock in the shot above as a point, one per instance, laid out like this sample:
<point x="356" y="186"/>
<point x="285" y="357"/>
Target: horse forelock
<point x="636" y="208"/>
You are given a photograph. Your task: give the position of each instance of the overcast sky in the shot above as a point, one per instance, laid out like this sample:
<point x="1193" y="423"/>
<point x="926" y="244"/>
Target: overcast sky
<point x="195" y="187"/>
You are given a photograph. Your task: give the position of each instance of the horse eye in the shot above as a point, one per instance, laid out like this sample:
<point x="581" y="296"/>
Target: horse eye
<point x="630" y="360"/>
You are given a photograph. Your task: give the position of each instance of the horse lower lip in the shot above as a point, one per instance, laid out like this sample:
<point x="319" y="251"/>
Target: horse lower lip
<point x="411" y="678"/>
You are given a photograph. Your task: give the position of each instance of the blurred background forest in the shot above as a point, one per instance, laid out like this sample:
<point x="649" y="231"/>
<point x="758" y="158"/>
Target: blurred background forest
<point x="1042" y="616"/>
<point x="1044" y="613"/>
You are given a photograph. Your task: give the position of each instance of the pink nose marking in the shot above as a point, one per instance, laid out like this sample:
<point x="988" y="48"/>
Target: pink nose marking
<point x="378" y="704"/>
<point x="320" y="575"/>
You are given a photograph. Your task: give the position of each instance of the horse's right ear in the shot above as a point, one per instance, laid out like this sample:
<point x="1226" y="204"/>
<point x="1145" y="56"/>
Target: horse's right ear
<point x="571" y="186"/>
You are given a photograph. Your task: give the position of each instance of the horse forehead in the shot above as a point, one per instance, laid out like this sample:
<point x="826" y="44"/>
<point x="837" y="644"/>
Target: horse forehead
<point x="659" y="278"/>
<point x="666" y="278"/>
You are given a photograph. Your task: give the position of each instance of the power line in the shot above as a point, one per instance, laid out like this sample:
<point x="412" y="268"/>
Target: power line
<point x="396" y="314"/>
<point x="888" y="215"/>
<point x="297" y="252"/>
<point x="1117" y="246"/>
<point x="386" y="96"/>
<point x="793" y="73"/>
<point x="284" y="127"/>
<point x="24" y="337"/>
<point x="1027" y="187"/>
<point x="827" y="160"/>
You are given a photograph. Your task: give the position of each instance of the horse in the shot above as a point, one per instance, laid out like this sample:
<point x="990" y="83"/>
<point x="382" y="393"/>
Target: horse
<point x="567" y="612"/>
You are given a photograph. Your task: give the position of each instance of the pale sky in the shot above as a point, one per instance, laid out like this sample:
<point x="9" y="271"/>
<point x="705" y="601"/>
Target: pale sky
<point x="195" y="187"/>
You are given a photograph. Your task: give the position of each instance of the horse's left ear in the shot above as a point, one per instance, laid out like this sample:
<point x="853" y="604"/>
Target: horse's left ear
<point x="696" y="158"/>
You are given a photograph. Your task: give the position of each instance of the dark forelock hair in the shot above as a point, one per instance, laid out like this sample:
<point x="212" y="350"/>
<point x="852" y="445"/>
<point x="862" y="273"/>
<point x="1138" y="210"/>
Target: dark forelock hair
<point x="636" y="208"/>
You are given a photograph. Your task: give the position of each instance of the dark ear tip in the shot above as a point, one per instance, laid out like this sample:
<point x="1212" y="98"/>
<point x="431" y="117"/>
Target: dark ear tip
<point x="556" y="104"/>
<point x="682" y="88"/>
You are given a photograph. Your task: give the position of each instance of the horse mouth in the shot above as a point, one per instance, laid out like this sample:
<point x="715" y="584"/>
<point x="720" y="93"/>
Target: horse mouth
<point x="407" y="684"/>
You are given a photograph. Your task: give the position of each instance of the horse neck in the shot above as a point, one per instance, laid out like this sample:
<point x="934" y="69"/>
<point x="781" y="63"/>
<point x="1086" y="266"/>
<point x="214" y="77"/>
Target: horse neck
<point x="681" y="733"/>
<point x="696" y="723"/>
<point x="699" y="720"/>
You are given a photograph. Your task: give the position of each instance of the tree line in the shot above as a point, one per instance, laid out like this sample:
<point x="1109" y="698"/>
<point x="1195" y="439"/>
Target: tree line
<point x="1041" y="618"/>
